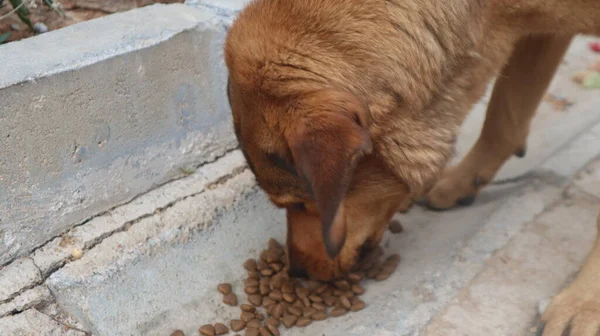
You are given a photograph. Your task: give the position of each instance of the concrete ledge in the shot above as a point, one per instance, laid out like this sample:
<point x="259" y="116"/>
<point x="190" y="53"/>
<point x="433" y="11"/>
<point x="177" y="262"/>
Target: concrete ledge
<point x="32" y="322"/>
<point x="103" y="111"/>
<point x="199" y="231"/>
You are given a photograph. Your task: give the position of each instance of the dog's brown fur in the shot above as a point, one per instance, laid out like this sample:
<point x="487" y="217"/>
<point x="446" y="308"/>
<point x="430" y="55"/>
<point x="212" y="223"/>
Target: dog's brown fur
<point x="344" y="108"/>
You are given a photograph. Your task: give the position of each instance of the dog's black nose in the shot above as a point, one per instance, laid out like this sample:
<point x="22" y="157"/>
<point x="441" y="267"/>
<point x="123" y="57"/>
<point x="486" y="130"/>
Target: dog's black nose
<point x="298" y="271"/>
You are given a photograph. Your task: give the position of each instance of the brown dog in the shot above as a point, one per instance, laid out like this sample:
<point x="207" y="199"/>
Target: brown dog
<point x="344" y="108"/>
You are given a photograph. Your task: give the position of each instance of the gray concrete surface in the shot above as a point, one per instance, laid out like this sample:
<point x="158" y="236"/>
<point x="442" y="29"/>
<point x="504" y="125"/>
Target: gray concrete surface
<point x="136" y="101"/>
<point x="32" y="322"/>
<point x="120" y="106"/>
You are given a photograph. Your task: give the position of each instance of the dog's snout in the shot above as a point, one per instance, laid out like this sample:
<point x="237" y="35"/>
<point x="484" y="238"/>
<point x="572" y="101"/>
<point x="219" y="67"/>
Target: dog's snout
<point x="298" y="271"/>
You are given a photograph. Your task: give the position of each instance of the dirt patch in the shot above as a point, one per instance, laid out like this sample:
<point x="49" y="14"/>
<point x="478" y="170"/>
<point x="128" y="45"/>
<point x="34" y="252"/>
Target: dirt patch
<point x="74" y="11"/>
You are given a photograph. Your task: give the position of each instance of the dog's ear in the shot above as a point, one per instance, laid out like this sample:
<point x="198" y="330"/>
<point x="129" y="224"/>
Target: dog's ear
<point x="326" y="142"/>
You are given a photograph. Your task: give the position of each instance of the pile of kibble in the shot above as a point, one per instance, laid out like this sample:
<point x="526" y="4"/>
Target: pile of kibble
<point x="275" y="299"/>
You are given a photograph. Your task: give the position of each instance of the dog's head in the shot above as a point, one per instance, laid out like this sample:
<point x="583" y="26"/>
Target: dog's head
<point x="311" y="153"/>
<point x="312" y="141"/>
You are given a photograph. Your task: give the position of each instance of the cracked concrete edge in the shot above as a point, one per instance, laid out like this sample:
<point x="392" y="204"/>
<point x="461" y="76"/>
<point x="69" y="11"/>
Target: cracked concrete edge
<point x="69" y="57"/>
<point x="223" y="183"/>
<point x="19" y="279"/>
<point x="28" y="299"/>
<point x="149" y="236"/>
<point x="34" y="322"/>
<point x="56" y="252"/>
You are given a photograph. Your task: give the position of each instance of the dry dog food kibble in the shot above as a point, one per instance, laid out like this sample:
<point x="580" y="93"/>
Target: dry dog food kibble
<point x="338" y="311"/>
<point x="221" y="329"/>
<point x="275" y="300"/>
<point x="252" y="332"/>
<point x="396" y="226"/>
<point x="303" y="322"/>
<point x="224" y="288"/>
<point x="237" y="325"/>
<point x="207" y="330"/>
<point x="230" y="299"/>
<point x="247" y="308"/>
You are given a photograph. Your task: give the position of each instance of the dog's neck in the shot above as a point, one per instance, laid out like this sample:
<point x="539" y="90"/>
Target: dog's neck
<point x="418" y="114"/>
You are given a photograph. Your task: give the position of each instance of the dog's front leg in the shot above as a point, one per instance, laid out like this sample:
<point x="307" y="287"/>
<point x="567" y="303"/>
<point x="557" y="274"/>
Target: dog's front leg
<point x="576" y="310"/>
<point x="515" y="98"/>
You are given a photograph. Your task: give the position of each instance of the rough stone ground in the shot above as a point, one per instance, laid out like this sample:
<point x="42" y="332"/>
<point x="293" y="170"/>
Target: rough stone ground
<point x="152" y="265"/>
<point x="75" y="11"/>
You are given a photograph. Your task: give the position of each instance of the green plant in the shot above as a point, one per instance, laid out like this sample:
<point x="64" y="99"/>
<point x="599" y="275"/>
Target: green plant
<point x="20" y="8"/>
<point x="22" y="11"/>
<point x="4" y="37"/>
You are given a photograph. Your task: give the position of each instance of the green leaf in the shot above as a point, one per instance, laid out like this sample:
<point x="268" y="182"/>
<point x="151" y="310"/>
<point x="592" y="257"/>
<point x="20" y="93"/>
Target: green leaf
<point x="22" y="12"/>
<point x="4" y="37"/>
<point x="591" y="80"/>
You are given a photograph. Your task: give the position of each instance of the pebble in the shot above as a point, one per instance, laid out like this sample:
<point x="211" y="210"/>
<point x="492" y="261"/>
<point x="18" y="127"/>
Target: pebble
<point x="76" y="253"/>
<point x="16" y="27"/>
<point x="40" y="28"/>
<point x="543" y="305"/>
<point x="177" y="333"/>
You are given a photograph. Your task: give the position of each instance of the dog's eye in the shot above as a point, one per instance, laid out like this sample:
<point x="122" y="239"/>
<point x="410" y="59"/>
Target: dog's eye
<point x="298" y="206"/>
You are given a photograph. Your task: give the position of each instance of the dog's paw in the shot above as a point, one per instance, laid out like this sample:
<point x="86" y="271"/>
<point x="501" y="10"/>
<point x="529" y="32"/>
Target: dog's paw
<point x="455" y="187"/>
<point x="574" y="312"/>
